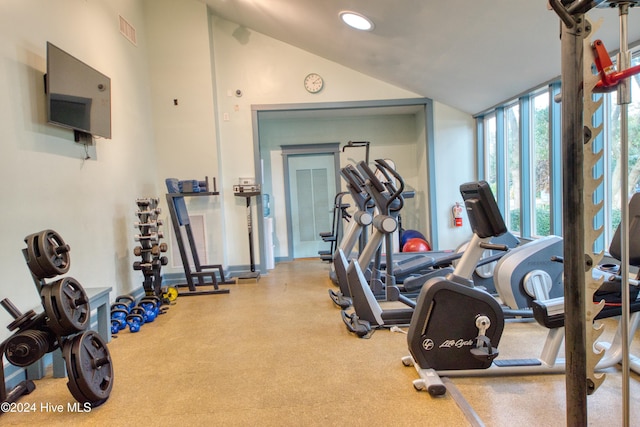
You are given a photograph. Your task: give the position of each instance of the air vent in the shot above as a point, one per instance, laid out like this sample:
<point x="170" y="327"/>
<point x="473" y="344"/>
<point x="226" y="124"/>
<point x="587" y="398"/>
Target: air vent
<point x="127" y="30"/>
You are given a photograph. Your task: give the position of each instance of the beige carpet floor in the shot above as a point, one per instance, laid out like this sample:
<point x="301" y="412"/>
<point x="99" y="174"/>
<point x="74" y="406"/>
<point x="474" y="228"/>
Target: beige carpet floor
<point x="276" y="353"/>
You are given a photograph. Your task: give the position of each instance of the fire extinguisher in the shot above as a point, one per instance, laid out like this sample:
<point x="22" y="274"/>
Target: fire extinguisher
<point x="456" y="211"/>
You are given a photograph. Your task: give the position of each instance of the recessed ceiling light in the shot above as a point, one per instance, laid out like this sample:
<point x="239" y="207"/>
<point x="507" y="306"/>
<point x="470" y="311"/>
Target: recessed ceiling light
<point x="356" y="20"/>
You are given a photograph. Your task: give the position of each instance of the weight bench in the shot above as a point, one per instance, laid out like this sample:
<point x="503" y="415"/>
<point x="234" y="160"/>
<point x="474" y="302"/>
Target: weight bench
<point x="201" y="275"/>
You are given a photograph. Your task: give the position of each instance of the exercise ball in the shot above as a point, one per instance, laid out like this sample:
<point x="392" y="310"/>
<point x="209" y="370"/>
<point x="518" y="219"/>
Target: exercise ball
<point x="410" y="234"/>
<point x="416" y="245"/>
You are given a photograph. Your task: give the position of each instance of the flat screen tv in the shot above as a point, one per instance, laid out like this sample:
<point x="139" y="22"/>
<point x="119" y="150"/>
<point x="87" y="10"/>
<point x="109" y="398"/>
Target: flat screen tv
<point x="78" y="96"/>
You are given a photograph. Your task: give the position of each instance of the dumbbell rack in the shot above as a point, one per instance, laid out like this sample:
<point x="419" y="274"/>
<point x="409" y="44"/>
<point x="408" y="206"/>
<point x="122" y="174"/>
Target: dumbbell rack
<point x="62" y="325"/>
<point x="150" y="248"/>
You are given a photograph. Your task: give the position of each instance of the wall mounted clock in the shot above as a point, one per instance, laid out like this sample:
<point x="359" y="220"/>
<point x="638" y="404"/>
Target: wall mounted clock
<point x="313" y="83"/>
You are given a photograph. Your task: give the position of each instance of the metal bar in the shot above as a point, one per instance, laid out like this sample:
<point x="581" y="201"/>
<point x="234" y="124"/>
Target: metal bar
<point x="470" y="414"/>
<point x="252" y="264"/>
<point x="194" y="257"/>
<point x="624" y="98"/>
<point x="11" y="308"/>
<point x="566" y="18"/>
<point x="573" y="220"/>
<point x="176" y="229"/>
<point x="583" y="6"/>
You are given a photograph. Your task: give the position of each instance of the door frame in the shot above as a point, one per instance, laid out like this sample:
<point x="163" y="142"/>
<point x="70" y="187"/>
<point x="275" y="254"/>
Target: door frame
<point x="331" y="148"/>
<point x="260" y="110"/>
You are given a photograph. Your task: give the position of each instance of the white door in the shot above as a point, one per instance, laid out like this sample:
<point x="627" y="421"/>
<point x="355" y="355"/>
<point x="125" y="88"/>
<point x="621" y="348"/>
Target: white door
<point x="312" y="187"/>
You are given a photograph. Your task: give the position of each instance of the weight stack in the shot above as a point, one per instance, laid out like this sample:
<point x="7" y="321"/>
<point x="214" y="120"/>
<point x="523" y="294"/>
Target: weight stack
<point x="150" y="249"/>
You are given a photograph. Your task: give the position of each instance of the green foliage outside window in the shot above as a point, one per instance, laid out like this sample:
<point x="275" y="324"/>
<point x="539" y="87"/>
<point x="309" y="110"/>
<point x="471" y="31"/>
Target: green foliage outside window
<point x="543" y="220"/>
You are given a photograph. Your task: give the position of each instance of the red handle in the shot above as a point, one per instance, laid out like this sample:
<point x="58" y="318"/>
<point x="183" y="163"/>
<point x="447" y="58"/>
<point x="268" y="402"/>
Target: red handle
<point x="609" y="77"/>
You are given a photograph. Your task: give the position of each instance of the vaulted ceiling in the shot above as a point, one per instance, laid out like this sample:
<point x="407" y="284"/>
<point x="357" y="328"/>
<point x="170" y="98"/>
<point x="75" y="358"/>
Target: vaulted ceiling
<point x="470" y="55"/>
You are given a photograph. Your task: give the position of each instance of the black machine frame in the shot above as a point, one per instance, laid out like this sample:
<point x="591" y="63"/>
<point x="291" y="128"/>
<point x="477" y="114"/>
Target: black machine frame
<point x="197" y="277"/>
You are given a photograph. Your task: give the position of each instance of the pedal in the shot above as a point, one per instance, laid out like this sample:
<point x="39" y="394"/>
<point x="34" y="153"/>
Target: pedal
<point x="483" y="350"/>
<point x="339" y="300"/>
<point x="359" y="327"/>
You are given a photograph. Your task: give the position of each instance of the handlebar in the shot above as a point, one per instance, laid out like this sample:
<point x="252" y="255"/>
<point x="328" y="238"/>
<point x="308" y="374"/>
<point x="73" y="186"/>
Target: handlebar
<point x="355" y="184"/>
<point x="384" y="201"/>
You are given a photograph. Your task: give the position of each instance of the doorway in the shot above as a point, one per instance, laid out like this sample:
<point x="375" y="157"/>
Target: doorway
<point x="276" y="126"/>
<point x="311" y="182"/>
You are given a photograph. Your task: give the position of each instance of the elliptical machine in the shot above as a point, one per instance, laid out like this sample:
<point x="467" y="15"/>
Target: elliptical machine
<point x="362" y="219"/>
<point x="367" y="312"/>
<point x="378" y="190"/>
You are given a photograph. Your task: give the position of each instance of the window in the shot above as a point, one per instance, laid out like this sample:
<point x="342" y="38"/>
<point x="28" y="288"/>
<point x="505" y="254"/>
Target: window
<point x="523" y="160"/>
<point x="612" y="155"/>
<point x="512" y="139"/>
<point x="541" y="179"/>
<point x="491" y="156"/>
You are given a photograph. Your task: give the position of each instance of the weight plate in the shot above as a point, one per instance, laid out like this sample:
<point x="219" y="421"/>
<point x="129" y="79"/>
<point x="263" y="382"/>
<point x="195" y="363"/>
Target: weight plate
<point x="171" y="293"/>
<point x="32" y="261"/>
<point x="66" y="306"/>
<point x="53" y="253"/>
<point x="26" y="347"/>
<point x="21" y="320"/>
<point x="48" y="255"/>
<point x="89" y="368"/>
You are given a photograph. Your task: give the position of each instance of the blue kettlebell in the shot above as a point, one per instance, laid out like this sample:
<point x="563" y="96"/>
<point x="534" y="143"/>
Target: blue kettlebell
<point x="118" y="319"/>
<point x="149" y="309"/>
<point x="135" y="322"/>
<point x="117" y="325"/>
<point x="128" y="300"/>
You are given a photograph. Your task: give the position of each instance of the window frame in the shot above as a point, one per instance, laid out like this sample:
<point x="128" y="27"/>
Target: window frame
<point x="527" y="225"/>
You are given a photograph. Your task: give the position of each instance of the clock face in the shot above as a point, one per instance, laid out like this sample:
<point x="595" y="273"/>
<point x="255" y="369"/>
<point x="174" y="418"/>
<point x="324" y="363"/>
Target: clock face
<point x="313" y="83"/>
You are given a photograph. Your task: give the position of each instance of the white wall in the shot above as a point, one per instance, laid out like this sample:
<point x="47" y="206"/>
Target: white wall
<point x="454" y="165"/>
<point x="47" y="184"/>
<point x="185" y="134"/>
<point x="268" y="71"/>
